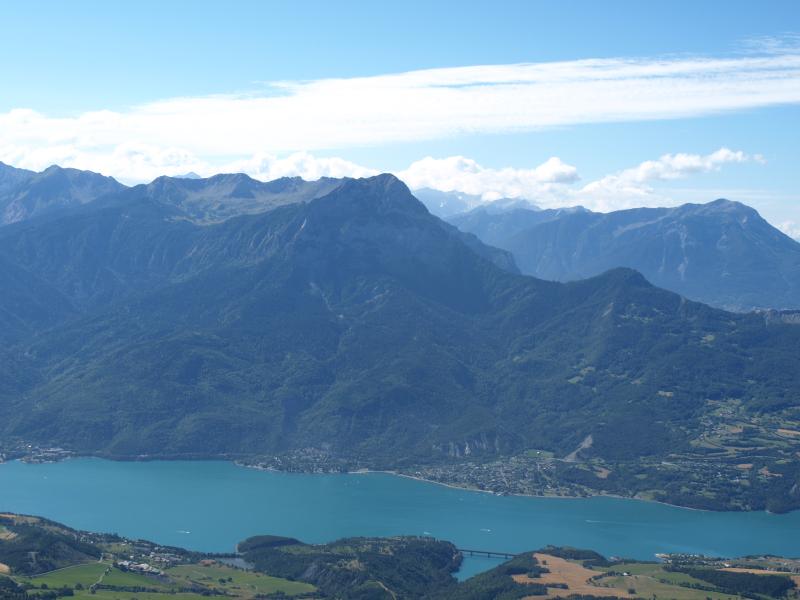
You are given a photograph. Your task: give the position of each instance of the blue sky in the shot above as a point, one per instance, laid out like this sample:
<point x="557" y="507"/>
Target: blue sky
<point x="94" y="85"/>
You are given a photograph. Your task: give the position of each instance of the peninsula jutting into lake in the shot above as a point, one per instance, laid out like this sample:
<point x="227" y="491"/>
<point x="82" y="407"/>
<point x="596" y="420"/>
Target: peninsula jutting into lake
<point x="46" y="559"/>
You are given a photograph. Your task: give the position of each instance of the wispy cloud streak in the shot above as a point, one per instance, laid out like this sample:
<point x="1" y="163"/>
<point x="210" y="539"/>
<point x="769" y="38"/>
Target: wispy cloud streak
<point x="414" y="106"/>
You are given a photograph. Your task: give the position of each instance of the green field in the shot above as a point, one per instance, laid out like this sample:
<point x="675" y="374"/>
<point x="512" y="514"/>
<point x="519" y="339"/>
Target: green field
<point x="91" y="573"/>
<point x="647" y="587"/>
<point x="542" y="454"/>
<point x="115" y="595"/>
<point x="86" y="575"/>
<point x="650" y="579"/>
<point x="243" y="583"/>
<point x="127" y="579"/>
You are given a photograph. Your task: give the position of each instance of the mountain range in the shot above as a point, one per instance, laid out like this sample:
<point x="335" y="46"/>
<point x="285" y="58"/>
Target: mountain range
<point x="722" y="253"/>
<point x="344" y="316"/>
<point x="25" y="194"/>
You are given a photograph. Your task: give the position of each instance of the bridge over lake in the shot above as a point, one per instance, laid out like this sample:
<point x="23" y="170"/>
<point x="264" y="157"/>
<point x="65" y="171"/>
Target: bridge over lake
<point x="486" y="553"/>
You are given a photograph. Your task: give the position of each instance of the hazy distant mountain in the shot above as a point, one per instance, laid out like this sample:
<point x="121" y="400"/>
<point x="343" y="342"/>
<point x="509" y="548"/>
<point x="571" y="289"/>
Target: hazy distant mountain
<point x="722" y="253"/>
<point x="445" y="204"/>
<point x="26" y="194"/>
<point x="448" y="204"/>
<point x="496" y="224"/>
<point x="355" y="322"/>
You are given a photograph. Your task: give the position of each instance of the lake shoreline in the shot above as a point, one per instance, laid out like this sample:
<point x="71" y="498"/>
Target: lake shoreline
<point x="243" y="461"/>
<point x="549" y="496"/>
<point x="102" y="495"/>
<point x="489" y="492"/>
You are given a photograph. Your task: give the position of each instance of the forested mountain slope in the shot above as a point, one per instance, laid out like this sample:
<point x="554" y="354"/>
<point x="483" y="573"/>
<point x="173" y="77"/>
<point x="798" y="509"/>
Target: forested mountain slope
<point x="358" y="323"/>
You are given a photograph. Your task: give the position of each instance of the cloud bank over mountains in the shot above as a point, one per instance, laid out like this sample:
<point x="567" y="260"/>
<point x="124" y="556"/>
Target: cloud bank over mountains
<point x="552" y="184"/>
<point x="286" y="127"/>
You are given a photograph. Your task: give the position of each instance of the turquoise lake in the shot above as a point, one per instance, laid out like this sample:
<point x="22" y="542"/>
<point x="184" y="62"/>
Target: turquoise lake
<point x="210" y="506"/>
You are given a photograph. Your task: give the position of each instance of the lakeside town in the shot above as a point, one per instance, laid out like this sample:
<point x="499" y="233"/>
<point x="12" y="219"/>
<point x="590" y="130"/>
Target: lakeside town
<point x="736" y="465"/>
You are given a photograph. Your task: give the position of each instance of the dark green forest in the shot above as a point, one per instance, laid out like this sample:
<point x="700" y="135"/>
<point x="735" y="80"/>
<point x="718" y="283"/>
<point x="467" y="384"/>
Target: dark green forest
<point x="354" y="322"/>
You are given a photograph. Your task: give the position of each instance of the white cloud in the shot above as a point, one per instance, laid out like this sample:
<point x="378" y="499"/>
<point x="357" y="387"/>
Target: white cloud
<point x="772" y="44"/>
<point x="136" y="163"/>
<point x="414" y="106"/>
<point x="676" y="166"/>
<point x="458" y="173"/>
<point x="267" y="167"/>
<point x="551" y="184"/>
<point x="130" y="162"/>
<point x="554" y="170"/>
<point x="790" y="228"/>
<point x="632" y="187"/>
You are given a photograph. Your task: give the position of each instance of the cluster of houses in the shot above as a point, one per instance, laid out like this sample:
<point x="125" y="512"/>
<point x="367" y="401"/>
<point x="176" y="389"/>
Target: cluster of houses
<point x="144" y="568"/>
<point x="35" y="454"/>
